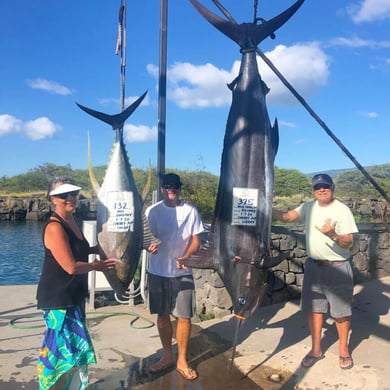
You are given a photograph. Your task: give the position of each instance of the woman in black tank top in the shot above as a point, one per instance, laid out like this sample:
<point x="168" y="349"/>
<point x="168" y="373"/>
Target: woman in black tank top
<point x="62" y="289"/>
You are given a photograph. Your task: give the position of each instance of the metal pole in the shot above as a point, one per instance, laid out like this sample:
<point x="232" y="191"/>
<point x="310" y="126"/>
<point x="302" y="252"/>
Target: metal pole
<point x="162" y="94"/>
<point x="121" y="49"/>
<point x="122" y="16"/>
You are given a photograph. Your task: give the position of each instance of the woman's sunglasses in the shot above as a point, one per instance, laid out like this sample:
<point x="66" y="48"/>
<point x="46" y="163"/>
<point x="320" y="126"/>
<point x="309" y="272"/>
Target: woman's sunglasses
<point x="66" y="194"/>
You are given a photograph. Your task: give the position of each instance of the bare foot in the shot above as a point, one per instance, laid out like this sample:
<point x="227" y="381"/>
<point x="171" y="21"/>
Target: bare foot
<point x="187" y="373"/>
<point x="161" y="365"/>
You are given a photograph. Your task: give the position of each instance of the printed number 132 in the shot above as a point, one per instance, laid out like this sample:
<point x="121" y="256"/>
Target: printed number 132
<point x="120" y="205"/>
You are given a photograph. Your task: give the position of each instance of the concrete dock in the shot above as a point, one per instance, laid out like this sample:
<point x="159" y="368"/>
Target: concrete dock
<point x="271" y="345"/>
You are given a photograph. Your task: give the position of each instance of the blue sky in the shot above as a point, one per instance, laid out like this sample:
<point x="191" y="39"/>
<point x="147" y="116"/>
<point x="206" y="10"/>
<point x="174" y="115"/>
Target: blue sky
<point x="55" y="53"/>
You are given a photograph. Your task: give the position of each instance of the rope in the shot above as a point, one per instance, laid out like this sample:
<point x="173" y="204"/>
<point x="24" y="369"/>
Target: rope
<point x="149" y="324"/>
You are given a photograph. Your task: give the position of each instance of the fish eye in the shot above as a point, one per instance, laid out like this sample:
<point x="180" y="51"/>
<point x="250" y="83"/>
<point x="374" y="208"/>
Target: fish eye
<point x="242" y="301"/>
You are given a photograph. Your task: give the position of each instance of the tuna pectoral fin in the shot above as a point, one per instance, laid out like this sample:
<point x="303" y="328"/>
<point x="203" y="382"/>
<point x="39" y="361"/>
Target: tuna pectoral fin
<point x="270" y="262"/>
<point x="203" y="259"/>
<point x="148" y="235"/>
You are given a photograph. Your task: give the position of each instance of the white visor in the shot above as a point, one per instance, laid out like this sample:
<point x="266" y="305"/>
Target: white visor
<point x="64" y="188"/>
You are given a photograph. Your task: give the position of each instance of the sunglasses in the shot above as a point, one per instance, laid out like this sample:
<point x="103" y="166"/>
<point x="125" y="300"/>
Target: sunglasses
<point x="171" y="186"/>
<point x="324" y="186"/>
<point x="66" y="194"/>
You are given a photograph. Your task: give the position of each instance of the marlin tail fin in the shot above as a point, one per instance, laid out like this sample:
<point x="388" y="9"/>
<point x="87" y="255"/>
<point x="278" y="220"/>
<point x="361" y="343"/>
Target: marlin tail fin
<point x="240" y="33"/>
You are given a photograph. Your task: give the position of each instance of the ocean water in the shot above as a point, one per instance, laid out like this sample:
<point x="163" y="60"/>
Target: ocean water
<point x="21" y="252"/>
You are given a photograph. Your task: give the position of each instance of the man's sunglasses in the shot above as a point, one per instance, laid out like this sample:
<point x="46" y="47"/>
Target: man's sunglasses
<point x="171" y="186"/>
<point x="66" y="194"/>
<point x="324" y="186"/>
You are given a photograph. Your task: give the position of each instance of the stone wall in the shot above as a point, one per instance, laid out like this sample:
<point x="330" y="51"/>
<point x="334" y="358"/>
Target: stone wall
<point x="370" y="260"/>
<point x="370" y="255"/>
<point x="38" y="208"/>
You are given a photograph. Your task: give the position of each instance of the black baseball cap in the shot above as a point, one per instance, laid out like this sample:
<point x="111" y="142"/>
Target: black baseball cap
<point x="321" y="178"/>
<point x="171" y="178"/>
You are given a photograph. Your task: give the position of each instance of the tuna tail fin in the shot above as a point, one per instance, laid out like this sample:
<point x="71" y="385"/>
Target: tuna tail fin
<point x="239" y="33"/>
<point x="203" y="259"/>
<point x="92" y="177"/>
<point x="148" y="235"/>
<point x="270" y="262"/>
<point x="116" y="121"/>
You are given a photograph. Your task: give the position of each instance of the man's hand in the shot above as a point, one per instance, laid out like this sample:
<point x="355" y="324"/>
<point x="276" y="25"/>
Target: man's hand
<point x="329" y="229"/>
<point x="152" y="248"/>
<point x="179" y="265"/>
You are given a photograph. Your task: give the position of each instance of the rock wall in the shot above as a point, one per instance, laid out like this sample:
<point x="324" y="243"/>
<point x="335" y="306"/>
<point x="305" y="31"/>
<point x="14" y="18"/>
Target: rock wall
<point x="370" y="255"/>
<point x="38" y="208"/>
<point x="370" y="260"/>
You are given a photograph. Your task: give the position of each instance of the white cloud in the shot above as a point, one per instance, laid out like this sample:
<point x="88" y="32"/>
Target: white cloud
<point x="287" y="124"/>
<point x="195" y="86"/>
<point x="152" y="70"/>
<point x="141" y="133"/>
<point x="9" y="124"/>
<point x="40" y="128"/>
<point x="49" y="86"/>
<point x="369" y="11"/>
<point x="199" y="85"/>
<point x="128" y="100"/>
<point x="369" y="114"/>
<point x="35" y="130"/>
<point x="306" y="67"/>
<point x="358" y="42"/>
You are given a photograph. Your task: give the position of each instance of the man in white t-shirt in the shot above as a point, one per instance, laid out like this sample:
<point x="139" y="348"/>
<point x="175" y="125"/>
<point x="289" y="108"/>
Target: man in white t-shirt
<point x="328" y="281"/>
<point x="171" y="286"/>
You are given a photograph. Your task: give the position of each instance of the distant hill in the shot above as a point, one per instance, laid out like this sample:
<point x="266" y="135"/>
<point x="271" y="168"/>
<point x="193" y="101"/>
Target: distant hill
<point x="334" y="173"/>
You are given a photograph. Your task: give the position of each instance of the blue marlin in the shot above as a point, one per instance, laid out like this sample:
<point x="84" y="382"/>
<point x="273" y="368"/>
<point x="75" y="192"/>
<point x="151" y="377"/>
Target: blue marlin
<point x="239" y="241"/>
<point x="122" y="229"/>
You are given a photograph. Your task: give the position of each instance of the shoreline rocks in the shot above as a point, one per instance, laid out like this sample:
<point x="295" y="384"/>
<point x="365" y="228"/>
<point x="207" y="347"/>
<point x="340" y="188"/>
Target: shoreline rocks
<point x="39" y="208"/>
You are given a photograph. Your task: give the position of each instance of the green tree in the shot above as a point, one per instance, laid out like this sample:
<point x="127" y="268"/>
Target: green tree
<point x="289" y="182"/>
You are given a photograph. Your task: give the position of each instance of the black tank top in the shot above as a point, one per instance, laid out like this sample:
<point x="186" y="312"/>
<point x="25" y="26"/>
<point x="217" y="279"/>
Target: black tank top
<point x="57" y="289"/>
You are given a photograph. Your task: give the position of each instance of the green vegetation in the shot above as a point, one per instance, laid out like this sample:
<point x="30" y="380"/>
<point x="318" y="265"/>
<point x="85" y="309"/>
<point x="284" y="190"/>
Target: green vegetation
<point x="200" y="188"/>
<point x="354" y="185"/>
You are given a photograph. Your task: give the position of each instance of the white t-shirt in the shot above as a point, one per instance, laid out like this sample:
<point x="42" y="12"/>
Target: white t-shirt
<point x="318" y="245"/>
<point x="174" y="226"/>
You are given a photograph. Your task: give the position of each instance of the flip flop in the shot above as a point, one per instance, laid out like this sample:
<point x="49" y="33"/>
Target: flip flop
<point x="159" y="367"/>
<point x="187" y="373"/>
<point x="310" y="360"/>
<point x="345" y="359"/>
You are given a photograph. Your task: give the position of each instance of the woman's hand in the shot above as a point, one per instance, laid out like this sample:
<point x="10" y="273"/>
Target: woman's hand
<point x="104" y="265"/>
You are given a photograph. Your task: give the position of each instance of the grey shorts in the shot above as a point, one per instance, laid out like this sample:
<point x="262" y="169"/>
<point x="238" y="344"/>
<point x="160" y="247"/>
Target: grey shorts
<point x="327" y="287"/>
<point x="174" y="296"/>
